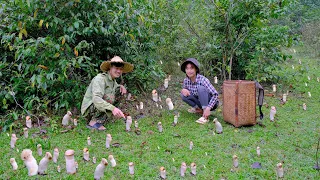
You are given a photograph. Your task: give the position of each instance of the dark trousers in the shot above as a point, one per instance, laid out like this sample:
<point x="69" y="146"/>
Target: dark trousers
<point x="201" y="101"/>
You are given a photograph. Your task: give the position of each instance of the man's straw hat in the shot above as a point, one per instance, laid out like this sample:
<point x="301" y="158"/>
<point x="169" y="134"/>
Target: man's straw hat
<point x="105" y="65"/>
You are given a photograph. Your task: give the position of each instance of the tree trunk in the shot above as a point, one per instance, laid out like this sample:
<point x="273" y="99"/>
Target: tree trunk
<point x="230" y="65"/>
<point x="224" y="67"/>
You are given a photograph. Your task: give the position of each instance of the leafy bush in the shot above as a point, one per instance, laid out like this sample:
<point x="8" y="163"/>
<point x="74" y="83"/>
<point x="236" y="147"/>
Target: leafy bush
<point x="51" y="49"/>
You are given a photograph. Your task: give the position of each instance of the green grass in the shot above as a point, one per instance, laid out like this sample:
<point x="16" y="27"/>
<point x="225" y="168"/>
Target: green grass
<point x="292" y="139"/>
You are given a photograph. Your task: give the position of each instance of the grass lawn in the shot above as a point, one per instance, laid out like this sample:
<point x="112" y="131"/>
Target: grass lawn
<point x="292" y="140"/>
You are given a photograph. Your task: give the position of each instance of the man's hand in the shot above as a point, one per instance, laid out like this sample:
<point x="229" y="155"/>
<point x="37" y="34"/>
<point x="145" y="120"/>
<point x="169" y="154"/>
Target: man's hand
<point x="118" y="113"/>
<point x="206" y="112"/>
<point x="123" y="90"/>
<point x="185" y="92"/>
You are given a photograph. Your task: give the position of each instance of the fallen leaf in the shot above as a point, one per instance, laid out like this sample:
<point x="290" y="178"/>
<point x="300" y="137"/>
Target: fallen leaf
<point x="235" y="146"/>
<point x="137" y="131"/>
<point x="256" y="165"/>
<point x="260" y="124"/>
<point x="269" y="95"/>
<point x="64" y="131"/>
<point x="45" y="137"/>
<point x="176" y="135"/>
<point x="141" y="115"/>
<point x="143" y="143"/>
<point x="43" y="131"/>
<point x="116" y="145"/>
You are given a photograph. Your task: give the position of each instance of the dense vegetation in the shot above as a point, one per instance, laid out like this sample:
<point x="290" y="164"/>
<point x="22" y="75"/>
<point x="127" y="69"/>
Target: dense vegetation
<point x="51" y="49"/>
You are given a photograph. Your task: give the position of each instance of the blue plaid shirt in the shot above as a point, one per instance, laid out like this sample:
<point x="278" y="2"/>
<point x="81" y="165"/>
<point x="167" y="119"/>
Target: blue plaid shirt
<point x="201" y="81"/>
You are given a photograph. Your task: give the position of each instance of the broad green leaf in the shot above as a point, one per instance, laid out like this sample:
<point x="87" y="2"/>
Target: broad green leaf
<point x="76" y="24"/>
<point x="14" y="115"/>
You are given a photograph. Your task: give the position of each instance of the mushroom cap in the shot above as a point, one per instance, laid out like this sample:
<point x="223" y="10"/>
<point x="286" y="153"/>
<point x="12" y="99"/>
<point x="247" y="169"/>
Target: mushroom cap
<point x="56" y="150"/>
<point x="279" y="165"/>
<point x="25" y="154"/>
<point x="131" y="164"/>
<point x="110" y="157"/>
<point x="162" y="168"/>
<point x="39" y="146"/>
<point x="215" y="120"/>
<point x="193" y="164"/>
<point x="129" y="117"/>
<point x="104" y="161"/>
<point x="154" y="91"/>
<point x="109" y="135"/>
<point x="12" y="160"/>
<point x="159" y="123"/>
<point x="168" y="100"/>
<point x="85" y="149"/>
<point x="183" y="164"/>
<point x="235" y="157"/>
<point x="69" y="152"/>
<point x="48" y="155"/>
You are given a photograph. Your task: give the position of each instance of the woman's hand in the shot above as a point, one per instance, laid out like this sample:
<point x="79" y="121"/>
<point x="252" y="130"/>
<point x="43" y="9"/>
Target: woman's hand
<point x="185" y="92"/>
<point x="123" y="90"/>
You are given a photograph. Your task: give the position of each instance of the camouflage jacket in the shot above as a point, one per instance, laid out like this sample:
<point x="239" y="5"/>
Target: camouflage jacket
<point x="101" y="93"/>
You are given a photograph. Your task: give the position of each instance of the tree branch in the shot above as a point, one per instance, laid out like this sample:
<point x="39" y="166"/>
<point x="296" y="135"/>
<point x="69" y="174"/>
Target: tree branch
<point x="14" y="97"/>
<point x="193" y="30"/>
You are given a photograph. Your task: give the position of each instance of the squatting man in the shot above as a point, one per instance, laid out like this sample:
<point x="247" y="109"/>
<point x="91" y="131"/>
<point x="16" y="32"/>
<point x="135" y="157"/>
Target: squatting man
<point x="98" y="101"/>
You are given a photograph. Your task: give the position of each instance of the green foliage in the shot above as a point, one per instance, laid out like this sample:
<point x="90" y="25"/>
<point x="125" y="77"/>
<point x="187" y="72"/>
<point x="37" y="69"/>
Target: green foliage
<point x="50" y="50"/>
<point x="54" y="125"/>
<point x="302" y="18"/>
<point x="226" y="36"/>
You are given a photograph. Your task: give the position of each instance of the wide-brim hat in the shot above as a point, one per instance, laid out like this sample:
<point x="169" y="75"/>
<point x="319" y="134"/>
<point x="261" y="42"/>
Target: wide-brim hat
<point x="105" y="65"/>
<point x="190" y="60"/>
